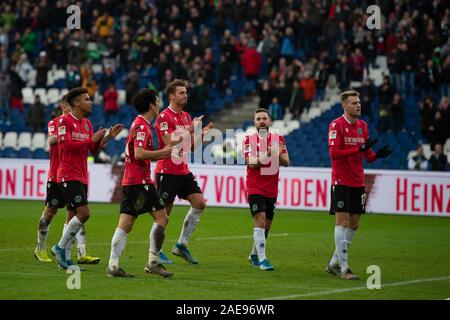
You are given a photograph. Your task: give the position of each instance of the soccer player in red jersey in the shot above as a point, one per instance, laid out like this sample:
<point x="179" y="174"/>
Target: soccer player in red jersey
<point x="349" y="142"/>
<point x="55" y="200"/>
<point x="75" y="139"/>
<point x="139" y="194"/>
<point x="263" y="152"/>
<point x="173" y="177"/>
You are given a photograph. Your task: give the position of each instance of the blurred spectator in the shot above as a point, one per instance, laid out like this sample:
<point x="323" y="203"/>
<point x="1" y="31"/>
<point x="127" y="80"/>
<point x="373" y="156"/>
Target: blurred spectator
<point x="397" y="113"/>
<point x="251" y="61"/>
<point x="275" y="109"/>
<point x="225" y="72"/>
<point x="24" y="68"/>
<point x="343" y="73"/>
<point x="17" y="85"/>
<point x="357" y="62"/>
<point x="386" y="91"/>
<point x="265" y="94"/>
<point x="367" y="95"/>
<point x="418" y="161"/>
<point x="321" y="78"/>
<point x="437" y="130"/>
<point x="36" y="115"/>
<point x="110" y="103"/>
<point x="131" y="86"/>
<point x="42" y="68"/>
<point x="73" y="77"/>
<point x="88" y="80"/>
<point x="383" y="120"/>
<point x="308" y="84"/>
<point x="438" y="160"/>
<point x="105" y="24"/>
<point x="198" y="96"/>
<point x="5" y="97"/>
<point x="445" y="77"/>
<point x="296" y="100"/>
<point x="427" y="111"/>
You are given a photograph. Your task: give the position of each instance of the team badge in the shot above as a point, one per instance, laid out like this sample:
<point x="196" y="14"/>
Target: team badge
<point x="165" y="195"/>
<point x="86" y="127"/>
<point x="140" y="136"/>
<point x="55" y="202"/>
<point x="185" y="119"/>
<point x="340" y="204"/>
<point x="254" y="207"/>
<point x="359" y="131"/>
<point x="78" y="199"/>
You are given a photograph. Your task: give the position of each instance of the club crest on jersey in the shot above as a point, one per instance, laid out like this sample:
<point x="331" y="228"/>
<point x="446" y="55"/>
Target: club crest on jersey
<point x="163" y="126"/>
<point x="86" y="127"/>
<point x="359" y="130"/>
<point x="61" y="130"/>
<point x="185" y="119"/>
<point x="332" y="134"/>
<point x="140" y="136"/>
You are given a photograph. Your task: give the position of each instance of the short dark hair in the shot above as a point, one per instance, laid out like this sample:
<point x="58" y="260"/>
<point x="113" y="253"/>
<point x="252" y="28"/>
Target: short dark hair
<point x="143" y="98"/>
<point x="262" y="110"/>
<point x="172" y="87"/>
<point x="73" y="94"/>
<point x="63" y="99"/>
<point x="349" y="93"/>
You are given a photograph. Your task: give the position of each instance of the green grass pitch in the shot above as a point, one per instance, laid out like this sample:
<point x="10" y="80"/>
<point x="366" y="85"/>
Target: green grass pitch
<point x="412" y="253"/>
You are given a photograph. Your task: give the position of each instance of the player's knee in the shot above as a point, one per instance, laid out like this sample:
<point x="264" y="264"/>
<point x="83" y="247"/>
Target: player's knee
<point x="201" y="205"/>
<point x="354" y="226"/>
<point x="49" y="213"/>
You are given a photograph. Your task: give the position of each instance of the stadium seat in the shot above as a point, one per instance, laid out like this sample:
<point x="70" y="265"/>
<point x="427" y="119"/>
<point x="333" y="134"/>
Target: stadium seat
<point x="24" y="145"/>
<point x="42" y="93"/>
<point x="53" y="96"/>
<point x="27" y="94"/>
<point x="39" y="141"/>
<point x="10" y="145"/>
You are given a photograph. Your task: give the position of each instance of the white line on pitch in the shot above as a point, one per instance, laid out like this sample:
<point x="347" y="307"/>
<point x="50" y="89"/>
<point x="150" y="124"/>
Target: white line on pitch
<point x="322" y="293"/>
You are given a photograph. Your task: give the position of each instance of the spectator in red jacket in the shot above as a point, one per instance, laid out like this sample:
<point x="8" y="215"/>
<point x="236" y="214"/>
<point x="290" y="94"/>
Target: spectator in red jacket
<point x="308" y="84"/>
<point x="110" y="102"/>
<point x="251" y="61"/>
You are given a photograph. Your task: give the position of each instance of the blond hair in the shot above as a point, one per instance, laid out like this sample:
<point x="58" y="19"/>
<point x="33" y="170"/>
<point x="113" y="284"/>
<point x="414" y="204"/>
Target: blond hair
<point x="349" y="93"/>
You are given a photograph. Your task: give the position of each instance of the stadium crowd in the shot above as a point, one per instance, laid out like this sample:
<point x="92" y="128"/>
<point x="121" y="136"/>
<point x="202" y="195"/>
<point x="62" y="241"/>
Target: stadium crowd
<point x="288" y="48"/>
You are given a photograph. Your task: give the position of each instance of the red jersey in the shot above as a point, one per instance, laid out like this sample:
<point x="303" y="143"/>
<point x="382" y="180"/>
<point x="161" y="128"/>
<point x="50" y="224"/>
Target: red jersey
<point x="74" y="140"/>
<point x="167" y="122"/>
<point x="344" y="140"/>
<point x="138" y="171"/>
<point x="54" y="156"/>
<point x="262" y="180"/>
